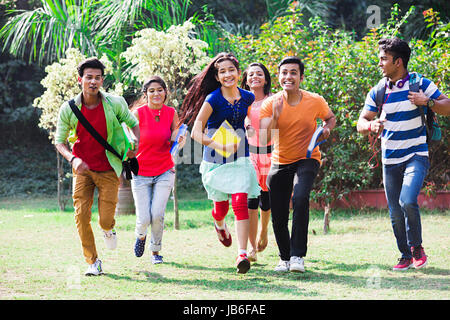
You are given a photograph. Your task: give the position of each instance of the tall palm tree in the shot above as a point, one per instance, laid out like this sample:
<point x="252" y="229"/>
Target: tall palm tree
<point x="95" y="27"/>
<point x="309" y="8"/>
<point x="44" y="34"/>
<point x="116" y="22"/>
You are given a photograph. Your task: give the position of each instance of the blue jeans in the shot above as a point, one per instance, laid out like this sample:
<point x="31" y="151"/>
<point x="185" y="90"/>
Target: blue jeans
<point x="150" y="197"/>
<point x="402" y="184"/>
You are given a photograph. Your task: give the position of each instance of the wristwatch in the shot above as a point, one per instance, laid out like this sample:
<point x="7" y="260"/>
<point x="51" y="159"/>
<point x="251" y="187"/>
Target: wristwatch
<point x="71" y="160"/>
<point x="430" y="103"/>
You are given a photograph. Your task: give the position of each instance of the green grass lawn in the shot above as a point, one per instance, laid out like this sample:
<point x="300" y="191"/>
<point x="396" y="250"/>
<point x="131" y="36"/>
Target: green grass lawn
<point x="41" y="258"/>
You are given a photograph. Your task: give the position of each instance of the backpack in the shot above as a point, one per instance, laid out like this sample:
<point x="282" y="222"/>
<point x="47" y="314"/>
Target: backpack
<point x="429" y="120"/>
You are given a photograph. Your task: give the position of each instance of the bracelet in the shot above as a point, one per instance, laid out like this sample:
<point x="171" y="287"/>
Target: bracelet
<point x="71" y="160"/>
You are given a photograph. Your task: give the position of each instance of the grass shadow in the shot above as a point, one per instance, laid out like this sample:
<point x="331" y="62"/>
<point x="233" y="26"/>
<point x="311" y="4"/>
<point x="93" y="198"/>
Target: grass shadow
<point x="255" y="281"/>
<point x="382" y="274"/>
<point x="381" y="267"/>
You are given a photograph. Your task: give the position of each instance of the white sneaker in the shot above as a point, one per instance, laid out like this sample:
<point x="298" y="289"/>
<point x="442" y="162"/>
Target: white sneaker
<point x="94" y="269"/>
<point x="283" y="266"/>
<point x="110" y="239"/>
<point x="296" y="264"/>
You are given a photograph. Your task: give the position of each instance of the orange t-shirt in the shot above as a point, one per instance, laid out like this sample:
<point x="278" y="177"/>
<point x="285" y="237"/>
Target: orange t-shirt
<point x="296" y="126"/>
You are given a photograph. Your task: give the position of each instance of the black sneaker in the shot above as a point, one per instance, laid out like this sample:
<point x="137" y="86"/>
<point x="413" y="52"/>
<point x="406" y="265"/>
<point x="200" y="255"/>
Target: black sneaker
<point x="139" y="247"/>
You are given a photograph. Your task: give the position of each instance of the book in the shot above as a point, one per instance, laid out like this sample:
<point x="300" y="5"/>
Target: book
<point x="313" y="143"/>
<point x="130" y="140"/>
<point x="225" y="134"/>
<point x="181" y="132"/>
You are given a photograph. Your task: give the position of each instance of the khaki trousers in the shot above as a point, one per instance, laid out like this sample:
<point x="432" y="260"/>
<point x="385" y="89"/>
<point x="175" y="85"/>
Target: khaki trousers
<point x="84" y="185"/>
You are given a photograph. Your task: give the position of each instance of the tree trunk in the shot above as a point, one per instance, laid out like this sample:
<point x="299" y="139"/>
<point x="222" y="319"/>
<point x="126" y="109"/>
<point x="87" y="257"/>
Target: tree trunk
<point x="125" y="203"/>
<point x="60" y="185"/>
<point x="175" y="203"/>
<point x="326" y="218"/>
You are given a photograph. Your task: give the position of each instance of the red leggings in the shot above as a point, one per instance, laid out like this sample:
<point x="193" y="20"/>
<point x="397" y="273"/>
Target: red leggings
<point x="238" y="203"/>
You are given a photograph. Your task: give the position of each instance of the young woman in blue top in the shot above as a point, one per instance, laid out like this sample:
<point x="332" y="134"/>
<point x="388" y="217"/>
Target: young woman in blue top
<point x="213" y="97"/>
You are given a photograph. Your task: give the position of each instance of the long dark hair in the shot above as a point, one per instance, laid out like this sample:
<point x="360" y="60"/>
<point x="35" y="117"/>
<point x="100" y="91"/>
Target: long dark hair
<point x="201" y="85"/>
<point x="143" y="97"/>
<point x="268" y="84"/>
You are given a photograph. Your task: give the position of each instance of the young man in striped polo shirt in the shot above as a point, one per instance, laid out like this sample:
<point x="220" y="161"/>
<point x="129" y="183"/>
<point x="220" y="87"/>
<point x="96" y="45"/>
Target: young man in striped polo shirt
<point x="403" y="144"/>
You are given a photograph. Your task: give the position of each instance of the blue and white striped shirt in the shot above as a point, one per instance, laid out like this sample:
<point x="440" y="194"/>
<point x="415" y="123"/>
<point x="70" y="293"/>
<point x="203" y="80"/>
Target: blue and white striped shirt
<point x="403" y="134"/>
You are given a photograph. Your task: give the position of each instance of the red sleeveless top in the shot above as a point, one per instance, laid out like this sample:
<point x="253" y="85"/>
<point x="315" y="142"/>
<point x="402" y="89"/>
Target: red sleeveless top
<point x="154" y="143"/>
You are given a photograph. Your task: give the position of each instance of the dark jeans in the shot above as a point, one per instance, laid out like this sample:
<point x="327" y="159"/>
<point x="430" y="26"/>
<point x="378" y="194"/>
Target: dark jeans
<point x="281" y="180"/>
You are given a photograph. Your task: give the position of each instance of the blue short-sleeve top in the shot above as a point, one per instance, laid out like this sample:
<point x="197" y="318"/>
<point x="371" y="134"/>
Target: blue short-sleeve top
<point x="235" y="114"/>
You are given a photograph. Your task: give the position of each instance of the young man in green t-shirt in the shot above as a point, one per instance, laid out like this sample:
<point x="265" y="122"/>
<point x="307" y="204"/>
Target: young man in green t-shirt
<point x="92" y="165"/>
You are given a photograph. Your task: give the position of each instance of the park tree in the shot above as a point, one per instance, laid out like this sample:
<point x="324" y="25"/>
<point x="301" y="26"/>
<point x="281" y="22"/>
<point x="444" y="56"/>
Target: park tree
<point x="175" y="55"/>
<point x="96" y="28"/>
<point x="61" y="85"/>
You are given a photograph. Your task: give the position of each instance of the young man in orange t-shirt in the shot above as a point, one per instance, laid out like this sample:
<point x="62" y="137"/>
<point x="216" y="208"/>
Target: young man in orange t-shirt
<point x="292" y="114"/>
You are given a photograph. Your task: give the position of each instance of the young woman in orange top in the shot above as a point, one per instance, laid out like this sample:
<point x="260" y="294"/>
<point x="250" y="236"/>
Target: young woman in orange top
<point x="256" y="78"/>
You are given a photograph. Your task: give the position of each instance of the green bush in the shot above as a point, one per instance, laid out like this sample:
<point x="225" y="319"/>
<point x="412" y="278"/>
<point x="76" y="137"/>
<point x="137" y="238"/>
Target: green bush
<point x="343" y="70"/>
<point x="28" y="169"/>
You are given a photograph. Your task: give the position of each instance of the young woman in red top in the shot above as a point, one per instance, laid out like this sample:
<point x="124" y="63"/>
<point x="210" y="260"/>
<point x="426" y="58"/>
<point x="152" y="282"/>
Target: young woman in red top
<point x="152" y="186"/>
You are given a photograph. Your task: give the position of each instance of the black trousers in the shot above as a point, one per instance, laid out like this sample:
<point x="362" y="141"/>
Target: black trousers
<point x="281" y="180"/>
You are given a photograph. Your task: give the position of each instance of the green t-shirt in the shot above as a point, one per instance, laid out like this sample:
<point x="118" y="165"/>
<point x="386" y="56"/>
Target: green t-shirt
<point x="116" y="112"/>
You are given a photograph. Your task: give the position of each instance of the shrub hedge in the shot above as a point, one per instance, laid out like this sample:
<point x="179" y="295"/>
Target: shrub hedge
<point x="343" y="70"/>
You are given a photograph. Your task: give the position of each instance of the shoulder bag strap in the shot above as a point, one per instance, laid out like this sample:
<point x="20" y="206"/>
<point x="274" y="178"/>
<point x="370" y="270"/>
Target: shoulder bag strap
<point x="379" y="95"/>
<point x="414" y="86"/>
<point x="91" y="129"/>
